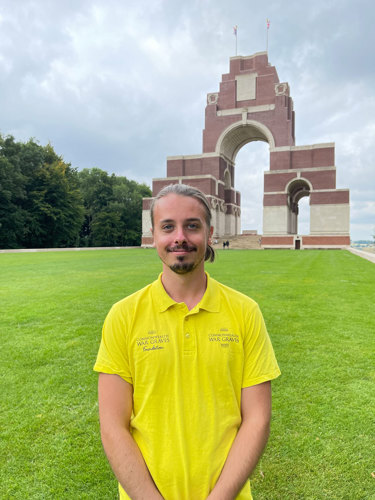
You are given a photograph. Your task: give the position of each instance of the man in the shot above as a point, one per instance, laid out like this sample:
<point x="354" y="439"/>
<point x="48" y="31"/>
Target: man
<point x="185" y="367"/>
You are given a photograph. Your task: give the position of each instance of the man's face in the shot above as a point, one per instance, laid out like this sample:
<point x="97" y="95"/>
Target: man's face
<point x="180" y="232"/>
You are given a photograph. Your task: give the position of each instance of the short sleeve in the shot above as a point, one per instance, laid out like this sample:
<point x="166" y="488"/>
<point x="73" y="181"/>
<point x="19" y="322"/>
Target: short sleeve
<point x="113" y="351"/>
<point x="260" y="362"/>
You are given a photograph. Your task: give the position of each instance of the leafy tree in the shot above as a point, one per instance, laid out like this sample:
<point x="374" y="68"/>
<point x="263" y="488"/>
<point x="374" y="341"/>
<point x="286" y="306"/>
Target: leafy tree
<point x="113" y="209"/>
<point x="54" y="203"/>
<point x="106" y="228"/>
<point x="128" y="196"/>
<point x="96" y="187"/>
<point x="12" y="195"/>
<point x="56" y="210"/>
<point x="44" y="194"/>
<point x="44" y="202"/>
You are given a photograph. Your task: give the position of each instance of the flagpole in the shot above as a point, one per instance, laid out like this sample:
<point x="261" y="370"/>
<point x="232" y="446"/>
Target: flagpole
<point x="235" y="34"/>
<point x="268" y="27"/>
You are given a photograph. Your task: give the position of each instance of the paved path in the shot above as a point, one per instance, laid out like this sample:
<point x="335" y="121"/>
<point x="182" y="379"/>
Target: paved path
<point x="361" y="253"/>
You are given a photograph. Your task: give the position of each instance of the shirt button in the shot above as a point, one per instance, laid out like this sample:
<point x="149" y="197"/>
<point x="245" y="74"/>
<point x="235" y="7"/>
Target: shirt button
<point x="187" y="335"/>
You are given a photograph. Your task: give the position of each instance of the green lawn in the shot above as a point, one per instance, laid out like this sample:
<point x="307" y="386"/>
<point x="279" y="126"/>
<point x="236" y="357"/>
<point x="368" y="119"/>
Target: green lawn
<point x="319" y="309"/>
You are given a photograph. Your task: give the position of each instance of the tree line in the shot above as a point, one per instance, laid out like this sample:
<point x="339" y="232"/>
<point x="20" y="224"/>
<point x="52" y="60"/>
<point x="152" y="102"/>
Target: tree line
<point x="46" y="203"/>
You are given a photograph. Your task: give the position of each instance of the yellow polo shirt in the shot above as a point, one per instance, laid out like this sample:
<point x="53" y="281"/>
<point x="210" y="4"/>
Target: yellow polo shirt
<point x="187" y="369"/>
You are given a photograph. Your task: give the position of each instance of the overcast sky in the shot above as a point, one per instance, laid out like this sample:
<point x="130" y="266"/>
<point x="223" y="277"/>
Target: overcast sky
<point x="121" y="84"/>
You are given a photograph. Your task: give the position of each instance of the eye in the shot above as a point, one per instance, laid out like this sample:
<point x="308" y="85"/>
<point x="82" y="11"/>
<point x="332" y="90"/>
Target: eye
<point x="167" y="227"/>
<point x="193" y="225"/>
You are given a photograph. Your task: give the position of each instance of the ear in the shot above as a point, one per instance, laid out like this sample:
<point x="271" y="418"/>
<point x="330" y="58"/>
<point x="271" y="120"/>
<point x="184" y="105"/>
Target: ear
<point x="210" y="235"/>
<point x="153" y="240"/>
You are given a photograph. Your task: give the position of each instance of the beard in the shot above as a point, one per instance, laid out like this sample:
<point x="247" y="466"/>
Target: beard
<point x="181" y="267"/>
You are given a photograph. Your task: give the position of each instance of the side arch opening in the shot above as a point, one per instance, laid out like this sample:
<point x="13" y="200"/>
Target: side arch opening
<point x="297" y="189"/>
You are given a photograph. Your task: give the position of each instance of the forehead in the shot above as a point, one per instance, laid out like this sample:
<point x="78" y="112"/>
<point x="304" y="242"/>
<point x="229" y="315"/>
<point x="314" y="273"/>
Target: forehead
<point x="175" y="206"/>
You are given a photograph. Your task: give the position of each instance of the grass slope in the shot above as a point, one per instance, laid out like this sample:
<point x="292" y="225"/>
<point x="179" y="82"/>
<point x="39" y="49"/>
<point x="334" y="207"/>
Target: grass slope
<point x="318" y="307"/>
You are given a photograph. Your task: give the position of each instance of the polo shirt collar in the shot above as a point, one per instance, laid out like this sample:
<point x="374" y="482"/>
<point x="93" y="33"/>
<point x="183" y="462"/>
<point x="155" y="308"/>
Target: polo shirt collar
<point x="211" y="298"/>
<point x="209" y="301"/>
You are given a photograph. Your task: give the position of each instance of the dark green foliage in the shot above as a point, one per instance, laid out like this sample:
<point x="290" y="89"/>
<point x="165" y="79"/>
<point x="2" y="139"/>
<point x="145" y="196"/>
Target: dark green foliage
<point x="44" y="202"/>
<point x="12" y="196"/>
<point x="113" y="209"/>
<point x="40" y="202"/>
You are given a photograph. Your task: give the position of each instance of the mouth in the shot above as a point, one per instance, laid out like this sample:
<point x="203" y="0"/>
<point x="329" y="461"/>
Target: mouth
<point x="182" y="250"/>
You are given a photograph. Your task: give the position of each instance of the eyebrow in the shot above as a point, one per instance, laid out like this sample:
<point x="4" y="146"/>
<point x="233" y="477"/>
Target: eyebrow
<point x="190" y="219"/>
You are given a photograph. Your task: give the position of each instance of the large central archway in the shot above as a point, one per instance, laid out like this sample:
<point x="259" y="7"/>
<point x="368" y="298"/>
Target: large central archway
<point x="251" y="161"/>
<point x="252" y="105"/>
<point x="234" y="137"/>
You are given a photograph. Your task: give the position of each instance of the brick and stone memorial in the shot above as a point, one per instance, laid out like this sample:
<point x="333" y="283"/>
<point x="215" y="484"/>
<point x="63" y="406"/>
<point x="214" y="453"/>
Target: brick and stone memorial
<point x="252" y="105"/>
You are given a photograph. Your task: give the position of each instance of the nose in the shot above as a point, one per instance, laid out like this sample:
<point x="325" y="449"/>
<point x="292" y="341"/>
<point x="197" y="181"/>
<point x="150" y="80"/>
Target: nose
<point x="180" y="235"/>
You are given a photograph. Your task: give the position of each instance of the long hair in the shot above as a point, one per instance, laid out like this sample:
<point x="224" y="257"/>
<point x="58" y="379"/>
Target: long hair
<point x="192" y="192"/>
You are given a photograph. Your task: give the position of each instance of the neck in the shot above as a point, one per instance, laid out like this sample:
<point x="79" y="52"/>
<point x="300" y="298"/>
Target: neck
<point x="188" y="288"/>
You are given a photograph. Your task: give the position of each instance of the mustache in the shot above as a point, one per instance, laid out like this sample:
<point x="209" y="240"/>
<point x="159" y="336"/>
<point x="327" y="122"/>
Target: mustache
<point x="185" y="246"/>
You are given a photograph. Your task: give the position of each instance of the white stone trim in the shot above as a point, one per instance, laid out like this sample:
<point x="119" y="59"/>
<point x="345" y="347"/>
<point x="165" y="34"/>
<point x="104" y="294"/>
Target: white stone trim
<point x="146" y="224"/>
<point x="276" y="246"/>
<point x="302" y="148"/>
<point x="246" y="84"/>
<point x="180" y="178"/>
<point x="249" y="57"/>
<point x="278" y="235"/>
<point x="282" y="89"/>
<point x="274" y="192"/>
<point x="212" y="98"/>
<point x="202" y="155"/>
<point x="217" y="203"/>
<point x="228" y="160"/>
<point x="296" y="170"/>
<point x="275" y="220"/>
<point x="247" y="109"/>
<point x="329" y="191"/>
<point x="252" y="123"/>
<point x="330" y="219"/>
<point x="324" y="235"/>
<point x="328" y="233"/>
<point x="192" y="157"/>
<point x="227" y="172"/>
<point x="338" y="247"/>
<point x="298" y="179"/>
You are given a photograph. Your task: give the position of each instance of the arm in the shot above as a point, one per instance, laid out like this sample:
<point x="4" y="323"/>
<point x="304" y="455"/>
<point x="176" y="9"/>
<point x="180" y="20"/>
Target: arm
<point x="249" y="443"/>
<point x="124" y="456"/>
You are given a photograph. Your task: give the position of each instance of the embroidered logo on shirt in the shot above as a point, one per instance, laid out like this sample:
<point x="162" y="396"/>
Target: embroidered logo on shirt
<point x="152" y="342"/>
<point x="225" y="339"/>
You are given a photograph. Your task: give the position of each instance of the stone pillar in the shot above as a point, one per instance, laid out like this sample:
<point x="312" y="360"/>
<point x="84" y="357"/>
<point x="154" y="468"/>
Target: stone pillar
<point x="147" y="239"/>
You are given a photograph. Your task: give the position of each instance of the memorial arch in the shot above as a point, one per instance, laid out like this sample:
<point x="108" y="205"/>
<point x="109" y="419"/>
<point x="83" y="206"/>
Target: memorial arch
<point x="252" y="105"/>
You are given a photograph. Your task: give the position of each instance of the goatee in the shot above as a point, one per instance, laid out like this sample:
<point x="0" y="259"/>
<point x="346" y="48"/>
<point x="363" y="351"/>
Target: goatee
<point x="182" y="267"/>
